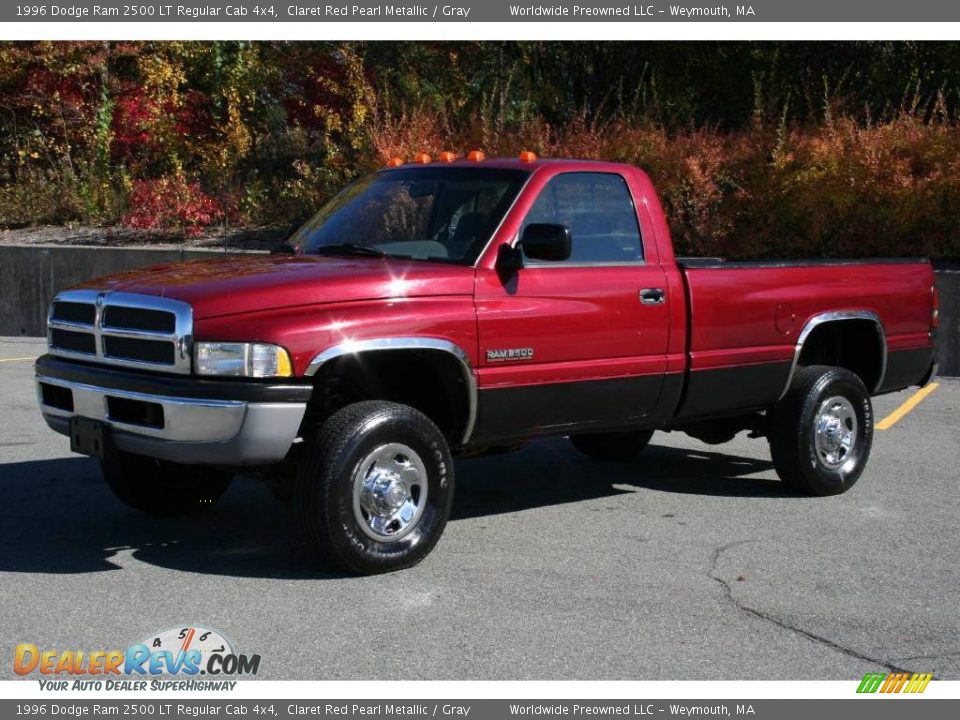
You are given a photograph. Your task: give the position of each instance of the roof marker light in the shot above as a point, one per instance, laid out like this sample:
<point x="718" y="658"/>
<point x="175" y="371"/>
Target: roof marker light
<point x="448" y="156"/>
<point x="476" y="156"/>
<point x="422" y="158"/>
<point x="394" y="162"/>
<point x="527" y="156"/>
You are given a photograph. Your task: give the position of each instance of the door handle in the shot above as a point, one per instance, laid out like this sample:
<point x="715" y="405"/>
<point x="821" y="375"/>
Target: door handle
<point x="653" y="296"/>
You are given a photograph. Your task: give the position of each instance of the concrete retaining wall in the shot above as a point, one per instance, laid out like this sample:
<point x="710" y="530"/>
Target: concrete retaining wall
<point x="31" y="276"/>
<point x="948" y="336"/>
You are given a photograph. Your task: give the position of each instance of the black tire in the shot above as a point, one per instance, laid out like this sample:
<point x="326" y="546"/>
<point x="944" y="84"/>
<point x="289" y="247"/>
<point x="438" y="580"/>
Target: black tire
<point x="161" y="488"/>
<point x="334" y="520"/>
<point x="613" y="445"/>
<point x="800" y="461"/>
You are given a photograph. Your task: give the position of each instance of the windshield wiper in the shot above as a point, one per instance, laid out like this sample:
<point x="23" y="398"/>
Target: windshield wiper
<point x="348" y="249"/>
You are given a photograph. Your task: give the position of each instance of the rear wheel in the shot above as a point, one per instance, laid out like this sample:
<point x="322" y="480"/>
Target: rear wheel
<point x="822" y="431"/>
<point x="161" y="488"/>
<point x="376" y="490"/>
<point x="613" y="445"/>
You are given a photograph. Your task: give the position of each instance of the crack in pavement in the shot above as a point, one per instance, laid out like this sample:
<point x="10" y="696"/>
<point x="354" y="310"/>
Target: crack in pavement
<point x="935" y="656"/>
<point x="760" y="615"/>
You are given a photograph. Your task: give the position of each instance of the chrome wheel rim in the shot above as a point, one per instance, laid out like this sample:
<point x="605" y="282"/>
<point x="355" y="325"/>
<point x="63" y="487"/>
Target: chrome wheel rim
<point x="389" y="492"/>
<point x="835" y="432"/>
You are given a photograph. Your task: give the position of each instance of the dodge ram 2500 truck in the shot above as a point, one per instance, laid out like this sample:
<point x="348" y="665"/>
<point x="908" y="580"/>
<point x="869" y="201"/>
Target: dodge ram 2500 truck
<point x="442" y="309"/>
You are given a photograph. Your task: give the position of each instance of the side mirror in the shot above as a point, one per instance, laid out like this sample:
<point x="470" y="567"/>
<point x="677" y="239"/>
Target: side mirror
<point x="509" y="259"/>
<point x="543" y="241"/>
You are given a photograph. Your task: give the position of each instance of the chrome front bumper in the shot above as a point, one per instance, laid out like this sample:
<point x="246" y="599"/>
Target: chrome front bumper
<point x="194" y="430"/>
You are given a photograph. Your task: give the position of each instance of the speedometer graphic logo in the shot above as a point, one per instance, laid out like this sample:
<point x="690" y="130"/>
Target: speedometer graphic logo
<point x="182" y="640"/>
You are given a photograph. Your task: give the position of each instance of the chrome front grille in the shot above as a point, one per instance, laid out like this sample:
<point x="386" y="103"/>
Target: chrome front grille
<point x="117" y="328"/>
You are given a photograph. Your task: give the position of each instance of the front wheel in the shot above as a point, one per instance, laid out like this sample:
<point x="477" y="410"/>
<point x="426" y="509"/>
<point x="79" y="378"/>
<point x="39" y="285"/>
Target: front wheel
<point x="822" y="431"/>
<point x="376" y="489"/>
<point x="161" y="488"/>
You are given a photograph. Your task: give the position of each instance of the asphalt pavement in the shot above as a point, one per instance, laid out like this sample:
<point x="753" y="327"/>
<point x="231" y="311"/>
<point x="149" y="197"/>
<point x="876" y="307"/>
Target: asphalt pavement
<point x="692" y="562"/>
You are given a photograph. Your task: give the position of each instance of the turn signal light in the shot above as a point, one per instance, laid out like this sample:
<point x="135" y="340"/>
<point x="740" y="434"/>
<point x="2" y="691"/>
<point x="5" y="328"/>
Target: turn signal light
<point x="448" y="156"/>
<point x="423" y="159"/>
<point x="394" y="162"/>
<point x="476" y="155"/>
<point x="527" y="156"/>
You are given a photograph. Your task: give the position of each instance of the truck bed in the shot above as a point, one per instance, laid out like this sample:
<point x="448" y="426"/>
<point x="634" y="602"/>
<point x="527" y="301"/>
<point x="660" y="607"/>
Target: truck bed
<point x="746" y="317"/>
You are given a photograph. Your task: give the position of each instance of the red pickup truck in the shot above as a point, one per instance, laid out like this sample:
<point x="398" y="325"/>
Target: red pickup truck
<point x="443" y="309"/>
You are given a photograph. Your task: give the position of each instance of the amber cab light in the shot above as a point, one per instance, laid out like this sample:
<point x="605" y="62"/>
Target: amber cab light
<point x="527" y="156"/>
<point x="394" y="162"/>
<point x="476" y="156"/>
<point x="448" y="156"/>
<point x="422" y="158"/>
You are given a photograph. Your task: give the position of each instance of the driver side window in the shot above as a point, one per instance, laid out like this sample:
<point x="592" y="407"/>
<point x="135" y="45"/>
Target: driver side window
<point x="598" y="210"/>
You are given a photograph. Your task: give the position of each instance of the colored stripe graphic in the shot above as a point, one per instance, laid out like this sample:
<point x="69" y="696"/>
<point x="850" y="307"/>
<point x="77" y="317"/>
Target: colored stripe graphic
<point x="870" y="682"/>
<point x="923" y="679"/>
<point x="895" y="682"/>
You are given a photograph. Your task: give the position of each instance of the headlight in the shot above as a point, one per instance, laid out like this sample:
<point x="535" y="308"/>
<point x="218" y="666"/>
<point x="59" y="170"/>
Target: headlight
<point x="241" y="359"/>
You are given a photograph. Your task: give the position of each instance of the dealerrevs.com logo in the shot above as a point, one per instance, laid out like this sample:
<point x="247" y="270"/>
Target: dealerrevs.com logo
<point x="185" y="652"/>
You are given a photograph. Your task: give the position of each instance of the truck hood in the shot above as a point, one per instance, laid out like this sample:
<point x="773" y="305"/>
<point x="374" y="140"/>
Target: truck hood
<point x="233" y="285"/>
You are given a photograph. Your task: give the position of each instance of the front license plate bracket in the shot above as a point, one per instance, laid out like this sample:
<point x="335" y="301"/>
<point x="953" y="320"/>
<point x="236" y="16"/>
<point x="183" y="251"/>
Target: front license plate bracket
<point x="87" y="436"/>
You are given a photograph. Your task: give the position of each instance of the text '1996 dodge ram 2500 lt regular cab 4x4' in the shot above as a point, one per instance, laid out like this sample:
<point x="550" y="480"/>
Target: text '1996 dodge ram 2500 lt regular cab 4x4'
<point x="438" y="309"/>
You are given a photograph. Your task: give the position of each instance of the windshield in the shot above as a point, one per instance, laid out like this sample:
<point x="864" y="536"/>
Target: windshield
<point x="445" y="214"/>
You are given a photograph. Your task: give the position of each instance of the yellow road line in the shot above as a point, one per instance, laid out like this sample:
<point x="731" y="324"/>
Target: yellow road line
<point x="907" y="406"/>
<point x="2" y="360"/>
